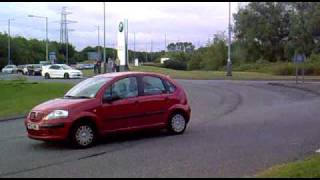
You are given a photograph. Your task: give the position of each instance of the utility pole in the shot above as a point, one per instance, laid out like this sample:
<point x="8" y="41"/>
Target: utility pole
<point x="98" y="48"/>
<point x="104" y="38"/>
<point x="44" y="17"/>
<point x="165" y="42"/>
<point x="9" y="45"/>
<point x="146" y="52"/>
<point x="64" y="37"/>
<point x="151" y="50"/>
<point x="229" y="63"/>
<point x="134" y="46"/>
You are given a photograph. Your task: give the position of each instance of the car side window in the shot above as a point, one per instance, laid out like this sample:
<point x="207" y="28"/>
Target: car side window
<point x="124" y="88"/>
<point x="53" y="67"/>
<point x="152" y="85"/>
<point x="170" y="87"/>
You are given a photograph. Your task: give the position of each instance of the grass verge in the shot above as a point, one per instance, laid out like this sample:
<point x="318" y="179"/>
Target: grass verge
<point x="307" y="168"/>
<point x="19" y="97"/>
<point x="218" y="75"/>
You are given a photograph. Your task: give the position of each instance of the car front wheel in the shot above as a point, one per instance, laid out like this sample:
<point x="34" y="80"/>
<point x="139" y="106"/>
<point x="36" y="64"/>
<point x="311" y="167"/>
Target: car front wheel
<point x="83" y="135"/>
<point x="47" y="76"/>
<point x="66" y="76"/>
<point x="177" y="124"/>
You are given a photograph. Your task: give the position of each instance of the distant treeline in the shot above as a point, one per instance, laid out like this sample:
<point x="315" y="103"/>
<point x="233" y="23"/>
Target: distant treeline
<point x="263" y="32"/>
<point x="32" y="51"/>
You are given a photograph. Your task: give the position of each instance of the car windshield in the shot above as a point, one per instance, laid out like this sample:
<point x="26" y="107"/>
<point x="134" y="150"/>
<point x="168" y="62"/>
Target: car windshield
<point x="65" y="67"/>
<point x="87" y="88"/>
<point x="10" y="66"/>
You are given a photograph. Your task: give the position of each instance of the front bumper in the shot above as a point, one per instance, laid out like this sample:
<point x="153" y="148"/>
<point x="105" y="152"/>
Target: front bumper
<point x="49" y="131"/>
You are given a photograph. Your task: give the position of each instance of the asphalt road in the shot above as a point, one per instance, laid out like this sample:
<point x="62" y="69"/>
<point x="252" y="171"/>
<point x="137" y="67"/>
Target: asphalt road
<point x="237" y="129"/>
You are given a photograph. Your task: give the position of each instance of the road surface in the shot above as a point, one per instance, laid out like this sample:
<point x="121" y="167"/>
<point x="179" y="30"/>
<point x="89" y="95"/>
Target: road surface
<point x="237" y="129"/>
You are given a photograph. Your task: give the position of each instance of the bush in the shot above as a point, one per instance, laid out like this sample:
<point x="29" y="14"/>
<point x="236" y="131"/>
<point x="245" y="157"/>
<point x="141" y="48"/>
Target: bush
<point x="284" y="69"/>
<point x="194" y="63"/>
<point x="310" y="69"/>
<point x="175" y="64"/>
<point x="314" y="58"/>
<point x="153" y="64"/>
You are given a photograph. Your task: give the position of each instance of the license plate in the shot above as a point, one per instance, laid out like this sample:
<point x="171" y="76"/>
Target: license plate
<point x="33" y="126"/>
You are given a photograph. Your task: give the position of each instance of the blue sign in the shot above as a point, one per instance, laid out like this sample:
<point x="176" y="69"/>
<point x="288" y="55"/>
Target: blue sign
<point x="52" y="57"/>
<point x="299" y="58"/>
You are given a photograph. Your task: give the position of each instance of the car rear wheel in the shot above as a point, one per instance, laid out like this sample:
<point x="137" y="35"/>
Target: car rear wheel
<point x="83" y="135"/>
<point x="177" y="123"/>
<point x="47" y="76"/>
<point x="66" y="76"/>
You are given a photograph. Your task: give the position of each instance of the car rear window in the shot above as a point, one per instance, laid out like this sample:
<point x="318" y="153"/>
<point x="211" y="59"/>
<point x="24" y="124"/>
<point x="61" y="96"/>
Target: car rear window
<point x="152" y="85"/>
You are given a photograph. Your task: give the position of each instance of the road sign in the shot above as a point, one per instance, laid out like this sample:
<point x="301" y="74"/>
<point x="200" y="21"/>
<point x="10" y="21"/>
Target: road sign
<point x="52" y="57"/>
<point x="299" y="58"/>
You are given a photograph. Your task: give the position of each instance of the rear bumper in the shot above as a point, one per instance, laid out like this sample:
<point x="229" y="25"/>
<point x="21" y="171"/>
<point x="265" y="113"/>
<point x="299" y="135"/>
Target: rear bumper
<point x="75" y="76"/>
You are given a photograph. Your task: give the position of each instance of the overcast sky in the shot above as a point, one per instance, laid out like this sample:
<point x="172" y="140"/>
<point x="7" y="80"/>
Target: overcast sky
<point x="182" y="21"/>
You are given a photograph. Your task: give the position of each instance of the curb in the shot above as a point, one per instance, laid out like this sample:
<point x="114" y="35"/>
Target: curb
<point x="12" y="118"/>
<point x="295" y="87"/>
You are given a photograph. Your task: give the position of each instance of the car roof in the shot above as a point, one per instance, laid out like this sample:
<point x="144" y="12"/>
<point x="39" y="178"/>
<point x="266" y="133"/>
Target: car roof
<point x="120" y="74"/>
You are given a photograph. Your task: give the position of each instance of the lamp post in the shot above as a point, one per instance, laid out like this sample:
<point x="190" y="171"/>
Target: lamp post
<point x="229" y="63"/>
<point x="104" y="38"/>
<point x="44" y="17"/>
<point x="99" y="57"/>
<point x="9" y="46"/>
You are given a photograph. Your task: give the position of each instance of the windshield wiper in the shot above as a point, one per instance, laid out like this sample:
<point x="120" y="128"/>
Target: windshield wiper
<point x="78" y="97"/>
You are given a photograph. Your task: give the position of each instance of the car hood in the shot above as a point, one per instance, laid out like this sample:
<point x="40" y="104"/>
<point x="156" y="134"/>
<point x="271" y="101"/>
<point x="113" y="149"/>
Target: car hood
<point x="59" y="103"/>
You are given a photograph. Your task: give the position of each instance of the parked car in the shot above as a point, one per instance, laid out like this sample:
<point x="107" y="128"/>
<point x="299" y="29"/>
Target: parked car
<point x="35" y="69"/>
<point x="27" y="69"/>
<point x="60" y="71"/>
<point x="113" y="102"/>
<point x="80" y="66"/>
<point x="20" y="69"/>
<point x="10" y="69"/>
<point x="88" y="66"/>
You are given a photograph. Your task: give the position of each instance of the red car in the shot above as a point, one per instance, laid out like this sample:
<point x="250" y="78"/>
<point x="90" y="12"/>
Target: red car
<point x="108" y="103"/>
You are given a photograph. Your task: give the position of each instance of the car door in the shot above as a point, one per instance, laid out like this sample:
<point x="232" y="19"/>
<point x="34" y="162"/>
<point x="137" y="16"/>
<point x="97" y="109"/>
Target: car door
<point x="153" y="101"/>
<point x="122" y="113"/>
<point x="52" y="70"/>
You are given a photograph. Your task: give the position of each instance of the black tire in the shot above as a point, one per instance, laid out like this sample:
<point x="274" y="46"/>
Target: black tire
<point x="47" y="76"/>
<point x="88" y="129"/>
<point x="66" y="76"/>
<point x="177" y="123"/>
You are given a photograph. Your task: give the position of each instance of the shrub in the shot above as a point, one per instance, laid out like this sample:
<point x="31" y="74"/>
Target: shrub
<point x="284" y="69"/>
<point x="175" y="64"/>
<point x="194" y="63"/>
<point x="153" y="64"/>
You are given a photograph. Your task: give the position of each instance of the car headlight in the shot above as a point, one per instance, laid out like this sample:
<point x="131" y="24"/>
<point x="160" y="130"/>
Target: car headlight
<point x="57" y="114"/>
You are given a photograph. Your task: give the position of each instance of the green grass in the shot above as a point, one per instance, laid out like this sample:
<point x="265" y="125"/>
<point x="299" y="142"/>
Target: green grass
<point x="19" y="96"/>
<point x="206" y="75"/>
<point x="308" y="168"/>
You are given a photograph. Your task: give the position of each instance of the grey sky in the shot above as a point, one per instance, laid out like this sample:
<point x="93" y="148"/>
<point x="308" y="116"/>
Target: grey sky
<point x="182" y="21"/>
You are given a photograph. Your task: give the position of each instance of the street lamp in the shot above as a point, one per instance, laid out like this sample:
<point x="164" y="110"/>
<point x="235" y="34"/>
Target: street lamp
<point x="98" y="42"/>
<point x="229" y="63"/>
<point x="9" y="50"/>
<point x="104" y="38"/>
<point x="44" y="17"/>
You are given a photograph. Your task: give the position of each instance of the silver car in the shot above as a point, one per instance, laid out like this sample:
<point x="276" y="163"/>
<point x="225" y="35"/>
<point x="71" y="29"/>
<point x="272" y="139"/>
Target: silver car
<point x="10" y="69"/>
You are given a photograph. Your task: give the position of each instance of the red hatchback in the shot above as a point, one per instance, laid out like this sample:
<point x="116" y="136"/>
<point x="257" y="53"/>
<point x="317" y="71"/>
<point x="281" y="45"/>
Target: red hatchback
<point x="111" y="103"/>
